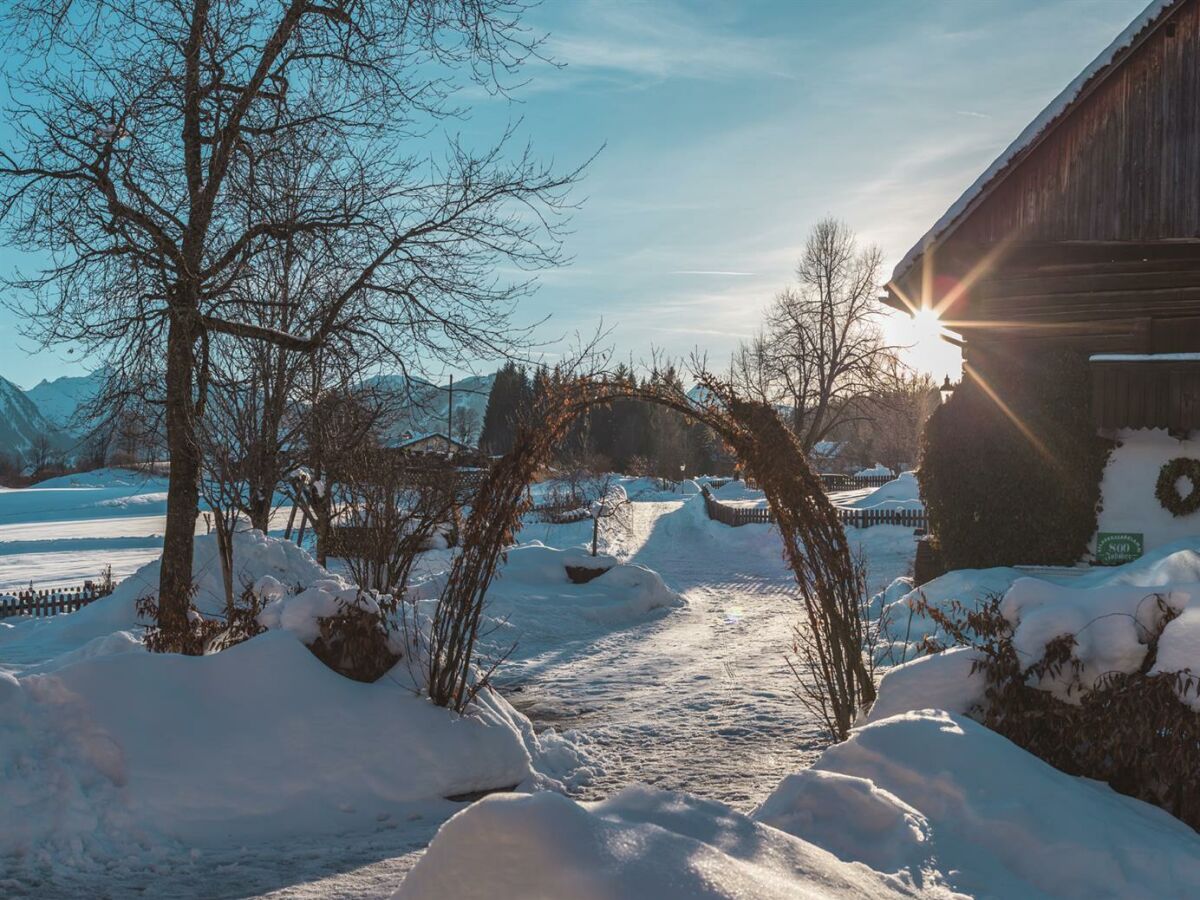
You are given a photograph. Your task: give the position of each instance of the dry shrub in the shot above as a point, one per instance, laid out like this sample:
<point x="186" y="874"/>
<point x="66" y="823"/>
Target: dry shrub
<point x="191" y="638"/>
<point x="1131" y="730"/>
<point x="357" y="641"/>
<point x="203" y="634"/>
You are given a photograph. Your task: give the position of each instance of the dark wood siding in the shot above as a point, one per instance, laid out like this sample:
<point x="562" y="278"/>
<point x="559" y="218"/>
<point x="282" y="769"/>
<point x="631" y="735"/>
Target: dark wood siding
<point x="1145" y="394"/>
<point x="1125" y="163"/>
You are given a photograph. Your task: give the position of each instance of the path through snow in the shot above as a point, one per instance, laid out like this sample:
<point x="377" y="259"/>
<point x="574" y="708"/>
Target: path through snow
<point x="700" y="700"/>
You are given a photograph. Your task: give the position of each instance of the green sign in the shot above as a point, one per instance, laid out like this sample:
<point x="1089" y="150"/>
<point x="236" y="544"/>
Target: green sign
<point x="1116" y="547"/>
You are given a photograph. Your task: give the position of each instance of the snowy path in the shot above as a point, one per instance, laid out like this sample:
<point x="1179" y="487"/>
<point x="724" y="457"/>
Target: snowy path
<point x="700" y="700"/>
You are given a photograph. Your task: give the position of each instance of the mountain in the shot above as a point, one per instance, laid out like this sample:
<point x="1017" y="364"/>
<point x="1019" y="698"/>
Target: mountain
<point x="59" y="400"/>
<point x="424" y="406"/>
<point x="21" y="422"/>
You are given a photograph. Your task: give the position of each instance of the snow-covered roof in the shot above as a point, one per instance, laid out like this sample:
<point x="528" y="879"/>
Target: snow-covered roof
<point x="421" y="438"/>
<point x="1049" y="116"/>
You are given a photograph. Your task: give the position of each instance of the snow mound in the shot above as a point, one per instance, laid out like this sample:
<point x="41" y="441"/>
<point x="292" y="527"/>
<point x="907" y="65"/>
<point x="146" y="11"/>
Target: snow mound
<point x="900" y="493"/>
<point x="642" y="843"/>
<point x="110" y="752"/>
<point x="535" y="603"/>
<point x="938" y="681"/>
<point x="925" y="804"/>
<point x="874" y="472"/>
<point x="959" y="806"/>
<point x="261" y="738"/>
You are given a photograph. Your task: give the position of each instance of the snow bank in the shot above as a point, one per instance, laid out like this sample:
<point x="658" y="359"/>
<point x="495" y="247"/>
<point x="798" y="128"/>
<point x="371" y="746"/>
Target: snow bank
<point x="261" y="739"/>
<point x="642" y="843"/>
<point x="925" y="804"/>
<point x="107" y="477"/>
<point x="736" y="492"/>
<point x="255" y="556"/>
<point x="107" y="751"/>
<point x="943" y="802"/>
<point x="873" y="472"/>
<point x="1112" y="613"/>
<point x="938" y="681"/>
<point x="1112" y="626"/>
<point x="534" y="603"/>
<point x="900" y="493"/>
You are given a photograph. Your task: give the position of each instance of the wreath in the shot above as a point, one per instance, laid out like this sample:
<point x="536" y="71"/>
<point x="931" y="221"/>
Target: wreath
<point x="1168" y="493"/>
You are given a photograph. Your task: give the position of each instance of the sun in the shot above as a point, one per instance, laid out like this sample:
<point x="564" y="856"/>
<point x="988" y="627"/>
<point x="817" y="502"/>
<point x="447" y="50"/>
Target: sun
<point x="920" y="336"/>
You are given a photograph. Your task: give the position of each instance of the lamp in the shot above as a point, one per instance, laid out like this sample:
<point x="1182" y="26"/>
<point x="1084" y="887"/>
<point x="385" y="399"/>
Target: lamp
<point x="946" y="390"/>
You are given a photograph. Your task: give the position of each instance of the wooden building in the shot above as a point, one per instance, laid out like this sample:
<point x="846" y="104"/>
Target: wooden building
<point x="1085" y="234"/>
<point x="1086" y="231"/>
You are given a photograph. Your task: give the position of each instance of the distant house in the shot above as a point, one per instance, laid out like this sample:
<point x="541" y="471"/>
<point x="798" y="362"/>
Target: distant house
<point x="434" y="443"/>
<point x="1085" y="233"/>
<point x="826" y="453"/>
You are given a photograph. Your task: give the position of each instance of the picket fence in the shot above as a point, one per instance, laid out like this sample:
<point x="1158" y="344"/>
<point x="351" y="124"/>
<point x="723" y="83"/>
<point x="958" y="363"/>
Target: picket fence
<point x="53" y="601"/>
<point x="857" y="518"/>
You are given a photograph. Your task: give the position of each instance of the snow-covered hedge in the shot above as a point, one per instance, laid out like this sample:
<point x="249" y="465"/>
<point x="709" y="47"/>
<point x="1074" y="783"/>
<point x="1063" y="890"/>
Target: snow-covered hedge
<point x="1097" y="674"/>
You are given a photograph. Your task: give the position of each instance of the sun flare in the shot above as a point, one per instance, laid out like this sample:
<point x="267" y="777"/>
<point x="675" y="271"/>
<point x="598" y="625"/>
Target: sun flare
<point x="920" y="336"/>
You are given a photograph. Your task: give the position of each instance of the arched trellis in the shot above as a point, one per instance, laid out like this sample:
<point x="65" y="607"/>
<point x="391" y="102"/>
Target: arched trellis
<point x="814" y="542"/>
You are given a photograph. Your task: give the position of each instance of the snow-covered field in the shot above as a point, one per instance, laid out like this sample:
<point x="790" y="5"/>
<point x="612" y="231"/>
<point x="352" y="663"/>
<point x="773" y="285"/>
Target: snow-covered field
<point x="64" y="531"/>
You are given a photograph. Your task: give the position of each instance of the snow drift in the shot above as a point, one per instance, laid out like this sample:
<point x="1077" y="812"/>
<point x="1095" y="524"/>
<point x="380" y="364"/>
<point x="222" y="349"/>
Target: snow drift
<point x="924" y="804"/>
<point x="107" y="750"/>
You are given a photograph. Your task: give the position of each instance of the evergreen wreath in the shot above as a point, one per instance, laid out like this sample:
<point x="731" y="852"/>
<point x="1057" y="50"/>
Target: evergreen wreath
<point x="1167" y="492"/>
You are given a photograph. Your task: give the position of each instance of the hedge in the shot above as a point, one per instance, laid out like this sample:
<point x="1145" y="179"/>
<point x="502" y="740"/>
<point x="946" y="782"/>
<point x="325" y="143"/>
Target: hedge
<point x="998" y="493"/>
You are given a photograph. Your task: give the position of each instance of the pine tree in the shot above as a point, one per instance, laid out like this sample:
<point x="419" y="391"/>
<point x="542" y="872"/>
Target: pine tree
<point x="508" y="400"/>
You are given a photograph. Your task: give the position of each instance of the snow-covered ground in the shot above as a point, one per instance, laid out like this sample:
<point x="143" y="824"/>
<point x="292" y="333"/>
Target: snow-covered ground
<point x="64" y="531"/>
<point x="676" y="652"/>
<point x="648" y="718"/>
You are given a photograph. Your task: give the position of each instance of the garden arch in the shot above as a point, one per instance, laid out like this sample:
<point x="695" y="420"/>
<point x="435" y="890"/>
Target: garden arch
<point x="831" y="585"/>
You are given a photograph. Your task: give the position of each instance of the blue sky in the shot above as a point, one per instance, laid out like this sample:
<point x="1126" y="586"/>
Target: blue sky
<point x="730" y="127"/>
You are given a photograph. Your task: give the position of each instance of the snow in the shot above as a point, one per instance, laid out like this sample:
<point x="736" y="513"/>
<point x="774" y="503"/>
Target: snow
<point x="1144" y="357"/>
<point x="875" y="471"/>
<point x="111" y="756"/>
<point x="640" y="843"/>
<point x="534" y="605"/>
<point x="903" y="492"/>
<point x="925" y="804"/>
<point x="997" y="821"/>
<point x="937" y="681"/>
<point x="1032" y="132"/>
<point x="1127" y="487"/>
<point x="1113" y="613"/>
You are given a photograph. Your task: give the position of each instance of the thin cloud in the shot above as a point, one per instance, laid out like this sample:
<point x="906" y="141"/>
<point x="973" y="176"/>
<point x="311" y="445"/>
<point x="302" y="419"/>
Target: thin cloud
<point x="660" y="40"/>
<point x="719" y="272"/>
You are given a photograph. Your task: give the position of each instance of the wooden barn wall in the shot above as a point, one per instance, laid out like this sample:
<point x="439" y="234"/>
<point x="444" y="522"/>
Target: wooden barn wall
<point x="1125" y="166"/>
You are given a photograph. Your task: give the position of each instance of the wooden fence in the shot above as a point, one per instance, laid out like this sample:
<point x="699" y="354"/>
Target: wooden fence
<point x="836" y="482"/>
<point x="53" y="601"/>
<point x="857" y="518"/>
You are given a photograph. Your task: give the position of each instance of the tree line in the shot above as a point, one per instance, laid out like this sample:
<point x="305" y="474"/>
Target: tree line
<point x="626" y="435"/>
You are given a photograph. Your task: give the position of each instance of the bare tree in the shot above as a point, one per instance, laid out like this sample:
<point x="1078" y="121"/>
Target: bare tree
<point x="821" y="348"/>
<point x="466" y="424"/>
<point x="141" y="160"/>
<point x="612" y="507"/>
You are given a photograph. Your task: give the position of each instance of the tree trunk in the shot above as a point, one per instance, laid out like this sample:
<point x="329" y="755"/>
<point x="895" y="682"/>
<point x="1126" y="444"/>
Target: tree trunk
<point x="183" y="490"/>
